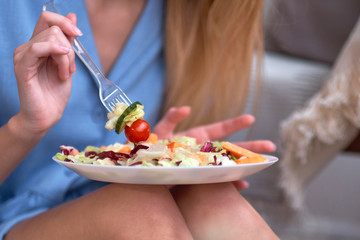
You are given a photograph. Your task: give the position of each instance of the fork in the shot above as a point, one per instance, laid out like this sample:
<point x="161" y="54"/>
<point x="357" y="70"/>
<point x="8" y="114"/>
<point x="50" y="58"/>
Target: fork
<point x="109" y="93"/>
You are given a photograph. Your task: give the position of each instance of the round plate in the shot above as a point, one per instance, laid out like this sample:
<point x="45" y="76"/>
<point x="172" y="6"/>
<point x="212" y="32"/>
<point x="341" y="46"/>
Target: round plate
<point x="167" y="175"/>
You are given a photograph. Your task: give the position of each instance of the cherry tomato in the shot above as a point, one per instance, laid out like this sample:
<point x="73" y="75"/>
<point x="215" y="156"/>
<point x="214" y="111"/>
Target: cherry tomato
<point x="138" y="131"/>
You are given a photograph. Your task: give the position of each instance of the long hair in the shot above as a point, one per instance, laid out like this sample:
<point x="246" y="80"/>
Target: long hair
<point x="210" y="46"/>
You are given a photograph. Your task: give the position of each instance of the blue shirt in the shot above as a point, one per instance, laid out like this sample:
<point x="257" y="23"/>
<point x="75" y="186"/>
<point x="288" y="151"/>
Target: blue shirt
<point x="38" y="183"/>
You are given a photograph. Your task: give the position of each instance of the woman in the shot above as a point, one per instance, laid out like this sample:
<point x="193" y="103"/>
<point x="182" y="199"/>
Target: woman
<point x="129" y="41"/>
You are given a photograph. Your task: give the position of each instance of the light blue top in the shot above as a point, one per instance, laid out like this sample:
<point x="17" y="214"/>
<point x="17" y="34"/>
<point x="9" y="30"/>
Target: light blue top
<point x="39" y="183"/>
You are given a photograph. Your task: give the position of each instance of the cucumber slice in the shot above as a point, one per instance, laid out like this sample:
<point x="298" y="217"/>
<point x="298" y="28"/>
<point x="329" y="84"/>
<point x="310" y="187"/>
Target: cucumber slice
<point x="120" y="125"/>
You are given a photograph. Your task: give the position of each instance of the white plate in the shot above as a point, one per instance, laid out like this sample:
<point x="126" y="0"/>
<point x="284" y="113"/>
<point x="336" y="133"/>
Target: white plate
<point x="167" y="175"/>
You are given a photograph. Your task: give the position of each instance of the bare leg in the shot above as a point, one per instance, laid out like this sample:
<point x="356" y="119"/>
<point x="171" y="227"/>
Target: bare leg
<point x="117" y="211"/>
<point x="218" y="211"/>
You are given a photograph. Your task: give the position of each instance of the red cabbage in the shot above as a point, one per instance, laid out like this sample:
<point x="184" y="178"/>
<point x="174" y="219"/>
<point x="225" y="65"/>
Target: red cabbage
<point x="137" y="148"/>
<point x="65" y="149"/>
<point x="208" y="147"/>
<point x="113" y="155"/>
<point x="90" y="154"/>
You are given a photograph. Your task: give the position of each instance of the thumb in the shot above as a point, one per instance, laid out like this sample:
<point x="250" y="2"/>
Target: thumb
<point x="168" y="123"/>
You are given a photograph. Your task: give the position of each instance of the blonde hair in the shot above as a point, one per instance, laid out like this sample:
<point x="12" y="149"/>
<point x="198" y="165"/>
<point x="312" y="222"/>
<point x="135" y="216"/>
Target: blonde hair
<point x="209" y="50"/>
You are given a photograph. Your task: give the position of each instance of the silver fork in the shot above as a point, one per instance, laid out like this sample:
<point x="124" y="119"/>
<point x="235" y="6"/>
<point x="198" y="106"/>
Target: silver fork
<point x="109" y="93"/>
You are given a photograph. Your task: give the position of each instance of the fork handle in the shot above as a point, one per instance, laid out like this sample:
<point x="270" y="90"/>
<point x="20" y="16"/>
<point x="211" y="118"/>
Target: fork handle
<point x="86" y="59"/>
<point x="79" y="49"/>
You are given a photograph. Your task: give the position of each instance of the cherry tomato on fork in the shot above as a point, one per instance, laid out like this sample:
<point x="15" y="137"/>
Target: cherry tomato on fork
<point x="138" y="131"/>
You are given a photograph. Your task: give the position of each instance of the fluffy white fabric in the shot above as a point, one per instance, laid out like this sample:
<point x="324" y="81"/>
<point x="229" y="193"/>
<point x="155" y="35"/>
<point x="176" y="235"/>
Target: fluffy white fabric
<point x="313" y="135"/>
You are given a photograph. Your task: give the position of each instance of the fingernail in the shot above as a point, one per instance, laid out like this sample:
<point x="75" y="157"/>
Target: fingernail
<point x="77" y="31"/>
<point x="65" y="49"/>
<point x="273" y="147"/>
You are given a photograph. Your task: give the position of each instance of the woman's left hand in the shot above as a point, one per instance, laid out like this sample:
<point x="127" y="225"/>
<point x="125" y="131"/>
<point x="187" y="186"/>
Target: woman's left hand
<point x="165" y="130"/>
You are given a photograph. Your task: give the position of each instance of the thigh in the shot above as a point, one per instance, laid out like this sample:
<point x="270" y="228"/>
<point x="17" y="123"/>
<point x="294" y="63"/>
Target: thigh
<point x="218" y="211"/>
<point x="117" y="211"/>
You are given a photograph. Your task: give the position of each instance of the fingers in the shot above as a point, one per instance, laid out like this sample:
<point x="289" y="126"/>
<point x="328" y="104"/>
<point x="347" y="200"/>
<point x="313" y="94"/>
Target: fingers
<point x="241" y="185"/>
<point x="65" y="63"/>
<point x="66" y="24"/>
<point x="54" y="36"/>
<point x="45" y="49"/>
<point x="73" y="19"/>
<point x="228" y="127"/>
<point x="260" y="146"/>
<point x="222" y="129"/>
<point x="165" y="128"/>
<point x="49" y="43"/>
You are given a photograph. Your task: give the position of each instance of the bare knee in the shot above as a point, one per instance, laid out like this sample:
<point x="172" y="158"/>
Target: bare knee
<point x="142" y="212"/>
<point x="117" y="211"/>
<point x="221" y="213"/>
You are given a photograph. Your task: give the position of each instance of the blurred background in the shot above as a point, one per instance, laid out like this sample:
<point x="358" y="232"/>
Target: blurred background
<point x="303" y="39"/>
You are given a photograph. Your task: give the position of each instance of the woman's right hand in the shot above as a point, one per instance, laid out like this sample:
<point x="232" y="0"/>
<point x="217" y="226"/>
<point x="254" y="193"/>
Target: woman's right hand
<point x="43" y="67"/>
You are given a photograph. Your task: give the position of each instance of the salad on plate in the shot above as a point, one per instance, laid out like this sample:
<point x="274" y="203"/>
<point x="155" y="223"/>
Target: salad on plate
<point x="146" y="150"/>
<point x="180" y="151"/>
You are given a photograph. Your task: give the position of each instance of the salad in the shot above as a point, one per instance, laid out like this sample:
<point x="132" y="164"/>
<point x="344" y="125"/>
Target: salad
<point x="180" y="151"/>
<point x="129" y="118"/>
<point x="145" y="149"/>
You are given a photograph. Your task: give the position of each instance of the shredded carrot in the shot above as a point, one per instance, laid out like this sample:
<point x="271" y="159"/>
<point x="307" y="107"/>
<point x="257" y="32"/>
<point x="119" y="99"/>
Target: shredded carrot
<point x="250" y="160"/>
<point x="239" y="152"/>
<point x="124" y="149"/>
<point x="173" y="145"/>
<point x="152" y="138"/>
<point x="202" y="158"/>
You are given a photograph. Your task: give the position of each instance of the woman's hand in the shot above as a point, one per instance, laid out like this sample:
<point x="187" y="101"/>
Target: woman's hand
<point x="43" y="67"/>
<point x="165" y="129"/>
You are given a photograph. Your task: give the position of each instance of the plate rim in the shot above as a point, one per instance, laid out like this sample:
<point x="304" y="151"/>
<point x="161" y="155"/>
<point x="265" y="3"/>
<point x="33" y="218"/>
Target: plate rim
<point x="180" y="175"/>
<point x="273" y="160"/>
